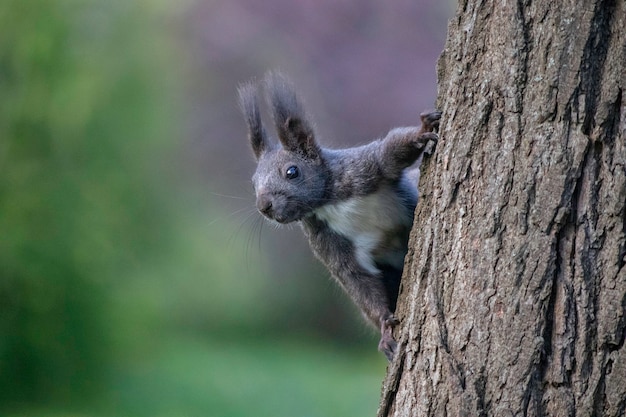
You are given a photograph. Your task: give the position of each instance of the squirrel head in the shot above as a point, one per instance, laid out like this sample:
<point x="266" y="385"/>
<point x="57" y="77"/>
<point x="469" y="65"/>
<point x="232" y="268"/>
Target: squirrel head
<point x="291" y="178"/>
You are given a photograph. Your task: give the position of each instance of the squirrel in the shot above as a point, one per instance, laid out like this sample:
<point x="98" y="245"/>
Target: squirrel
<point x="354" y="205"/>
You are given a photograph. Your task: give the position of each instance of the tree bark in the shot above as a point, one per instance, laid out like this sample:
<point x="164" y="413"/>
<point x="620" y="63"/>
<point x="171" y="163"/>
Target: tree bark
<point x="513" y="300"/>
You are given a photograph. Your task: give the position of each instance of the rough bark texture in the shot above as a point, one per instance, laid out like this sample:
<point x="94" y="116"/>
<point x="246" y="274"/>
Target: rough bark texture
<point x="514" y="294"/>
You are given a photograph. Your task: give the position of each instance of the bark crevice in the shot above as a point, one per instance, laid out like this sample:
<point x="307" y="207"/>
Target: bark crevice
<point x="594" y="57"/>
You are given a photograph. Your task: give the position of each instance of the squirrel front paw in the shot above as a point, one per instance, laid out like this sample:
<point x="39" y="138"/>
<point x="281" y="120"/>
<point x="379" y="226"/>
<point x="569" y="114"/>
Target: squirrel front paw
<point x="427" y="137"/>
<point x="427" y="142"/>
<point x="430" y="121"/>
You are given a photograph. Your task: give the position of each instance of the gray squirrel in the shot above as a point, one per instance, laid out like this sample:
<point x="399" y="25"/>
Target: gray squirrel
<point x="355" y="205"/>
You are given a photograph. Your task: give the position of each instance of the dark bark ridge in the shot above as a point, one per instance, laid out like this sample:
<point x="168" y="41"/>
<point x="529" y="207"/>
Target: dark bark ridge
<point x="514" y="294"/>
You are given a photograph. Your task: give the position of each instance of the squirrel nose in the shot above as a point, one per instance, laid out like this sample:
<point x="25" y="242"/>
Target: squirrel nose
<point x="264" y="204"/>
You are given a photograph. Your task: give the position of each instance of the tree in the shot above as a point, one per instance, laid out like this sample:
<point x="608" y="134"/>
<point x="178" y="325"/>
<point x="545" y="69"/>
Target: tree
<point x="514" y="294"/>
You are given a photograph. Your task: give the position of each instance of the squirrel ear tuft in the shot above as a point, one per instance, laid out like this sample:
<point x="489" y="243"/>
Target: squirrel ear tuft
<point x="249" y="104"/>
<point x="295" y="132"/>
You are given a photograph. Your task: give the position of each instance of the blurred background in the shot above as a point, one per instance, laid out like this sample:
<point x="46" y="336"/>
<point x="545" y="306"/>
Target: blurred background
<point x="136" y="278"/>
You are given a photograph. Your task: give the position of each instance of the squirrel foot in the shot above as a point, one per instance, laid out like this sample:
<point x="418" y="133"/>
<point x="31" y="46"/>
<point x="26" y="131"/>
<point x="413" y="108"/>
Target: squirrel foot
<point x="388" y="344"/>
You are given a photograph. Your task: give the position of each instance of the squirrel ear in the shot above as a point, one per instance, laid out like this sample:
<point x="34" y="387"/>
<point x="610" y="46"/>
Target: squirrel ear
<point x="294" y="130"/>
<point x="299" y="137"/>
<point x="250" y="107"/>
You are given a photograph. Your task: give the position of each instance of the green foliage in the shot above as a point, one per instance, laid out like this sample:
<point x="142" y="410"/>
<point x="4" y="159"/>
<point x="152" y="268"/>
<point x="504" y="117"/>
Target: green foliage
<point x="107" y="254"/>
<point x="81" y="135"/>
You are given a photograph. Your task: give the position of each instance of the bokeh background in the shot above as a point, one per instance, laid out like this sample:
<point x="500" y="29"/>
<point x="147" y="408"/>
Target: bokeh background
<point x="136" y="278"/>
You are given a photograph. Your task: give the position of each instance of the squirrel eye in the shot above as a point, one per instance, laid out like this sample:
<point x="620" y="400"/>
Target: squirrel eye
<point x="292" y="172"/>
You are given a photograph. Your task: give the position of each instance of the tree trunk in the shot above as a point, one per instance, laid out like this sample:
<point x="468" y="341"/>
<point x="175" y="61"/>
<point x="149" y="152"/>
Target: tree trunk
<point x="514" y="294"/>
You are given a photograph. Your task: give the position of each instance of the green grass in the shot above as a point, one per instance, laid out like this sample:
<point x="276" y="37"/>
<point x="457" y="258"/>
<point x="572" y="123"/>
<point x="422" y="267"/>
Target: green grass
<point x="191" y="377"/>
<point x="232" y="379"/>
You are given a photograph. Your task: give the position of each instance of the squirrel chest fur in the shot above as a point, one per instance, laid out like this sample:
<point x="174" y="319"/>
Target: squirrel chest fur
<point x="377" y="225"/>
<point x="355" y="205"/>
